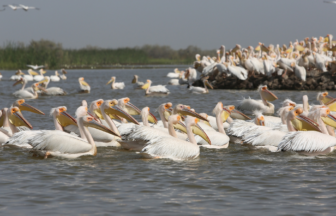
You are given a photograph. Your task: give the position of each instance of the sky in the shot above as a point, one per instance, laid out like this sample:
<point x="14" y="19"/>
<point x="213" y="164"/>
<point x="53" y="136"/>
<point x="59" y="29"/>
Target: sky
<point x="176" y="23"/>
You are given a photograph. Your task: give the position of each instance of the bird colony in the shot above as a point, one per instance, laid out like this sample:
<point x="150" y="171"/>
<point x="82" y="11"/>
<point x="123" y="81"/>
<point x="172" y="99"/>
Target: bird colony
<point x="180" y="133"/>
<point x="308" y="64"/>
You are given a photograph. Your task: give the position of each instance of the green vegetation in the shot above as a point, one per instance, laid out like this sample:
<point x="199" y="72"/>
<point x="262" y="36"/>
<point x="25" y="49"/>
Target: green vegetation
<point x="15" y="55"/>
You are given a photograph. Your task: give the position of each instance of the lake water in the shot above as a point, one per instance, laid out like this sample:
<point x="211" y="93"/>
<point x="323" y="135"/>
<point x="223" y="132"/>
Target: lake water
<point x="233" y="181"/>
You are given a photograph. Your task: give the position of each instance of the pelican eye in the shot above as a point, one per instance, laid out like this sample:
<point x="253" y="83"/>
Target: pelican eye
<point x="89" y="118"/>
<point x="21" y="102"/>
<point x="62" y="109"/>
<point x="328" y="111"/>
<point x="148" y="108"/>
<point x="13" y="110"/>
<point x="261" y="118"/>
<point x="325" y="94"/>
<point x="291" y="108"/>
<point x="178" y="118"/>
<point x="231" y="108"/>
<point x="264" y="88"/>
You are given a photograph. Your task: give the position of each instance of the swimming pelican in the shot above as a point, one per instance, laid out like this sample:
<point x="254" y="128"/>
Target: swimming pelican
<point x="61" y="120"/>
<point x="17" y="75"/>
<point x="200" y="90"/>
<point x="25" y="94"/>
<point x="60" y="144"/>
<point x="263" y="105"/>
<point x="84" y="86"/>
<point x="174" y="74"/>
<point x="52" y="90"/>
<point x="155" y="90"/>
<point x="55" y="78"/>
<point x="29" y="76"/>
<point x="41" y="76"/>
<point x="174" y="148"/>
<point x="324" y="98"/>
<point x="136" y="83"/>
<point x="12" y="118"/>
<point x="63" y="77"/>
<point x="116" y="85"/>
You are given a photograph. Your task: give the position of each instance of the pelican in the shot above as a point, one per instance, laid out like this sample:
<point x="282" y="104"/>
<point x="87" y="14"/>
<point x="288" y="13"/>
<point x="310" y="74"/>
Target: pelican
<point x="29" y="76"/>
<point x="136" y="83"/>
<point x="26" y="8"/>
<point x="14" y="7"/>
<point x="174" y="148"/>
<point x="155" y="90"/>
<point x="218" y="139"/>
<point x="0" y="76"/>
<point x="63" y="77"/>
<point x="84" y="86"/>
<point x="200" y="90"/>
<point x="61" y="120"/>
<point x="311" y="142"/>
<point x="39" y="77"/>
<point x="55" y="78"/>
<point x="12" y="118"/>
<point x="174" y="74"/>
<point x="61" y="144"/>
<point x="52" y="90"/>
<point x="263" y="105"/>
<point x="115" y="85"/>
<point x="25" y="94"/>
<point x="324" y="98"/>
<point x="36" y="67"/>
<point x="17" y="75"/>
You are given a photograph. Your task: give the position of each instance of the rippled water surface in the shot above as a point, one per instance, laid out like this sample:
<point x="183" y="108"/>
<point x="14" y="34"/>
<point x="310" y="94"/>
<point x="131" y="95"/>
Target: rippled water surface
<point x="233" y="181"/>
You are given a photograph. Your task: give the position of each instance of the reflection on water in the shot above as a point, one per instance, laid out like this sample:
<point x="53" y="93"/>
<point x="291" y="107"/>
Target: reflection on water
<point x="237" y="180"/>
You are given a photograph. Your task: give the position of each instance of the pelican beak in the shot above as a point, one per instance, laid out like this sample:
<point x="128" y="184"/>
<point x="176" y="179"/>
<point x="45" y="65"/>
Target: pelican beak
<point x="185" y="111"/>
<point x="42" y="81"/>
<point x="27" y="107"/>
<point x="330" y="120"/>
<point x="196" y="129"/>
<point x="132" y="109"/>
<point x="180" y="126"/>
<point x="302" y="123"/>
<point x="267" y="95"/>
<point x="225" y="114"/>
<point x="152" y="118"/>
<point x="93" y="116"/>
<point x="18" y="120"/>
<point x="17" y="82"/>
<point x="331" y="105"/>
<point x="239" y="115"/>
<point x="96" y="125"/>
<point x="114" y="110"/>
<point x="167" y="113"/>
<point x="145" y="86"/>
<point x="208" y="84"/>
<point x="65" y="119"/>
<point x="84" y="83"/>
<point x="326" y="98"/>
<point x="99" y="113"/>
<point x="109" y="81"/>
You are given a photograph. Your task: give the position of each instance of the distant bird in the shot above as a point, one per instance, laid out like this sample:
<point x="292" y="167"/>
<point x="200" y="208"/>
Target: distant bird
<point x="26" y="8"/>
<point x="330" y="2"/>
<point x="35" y="67"/>
<point x="14" y="7"/>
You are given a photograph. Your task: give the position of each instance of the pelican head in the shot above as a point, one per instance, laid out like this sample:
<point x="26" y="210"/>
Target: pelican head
<point x="301" y="122"/>
<point x="111" y="80"/>
<point x="236" y="114"/>
<point x="82" y="82"/>
<point x="110" y="108"/>
<point x="324" y="97"/>
<point x="130" y="108"/>
<point x="16" y="118"/>
<point x="225" y="112"/>
<point x="328" y="118"/>
<point x="288" y="102"/>
<point x="145" y="112"/>
<point x="88" y="121"/>
<point x="62" y="117"/>
<point x="184" y="111"/>
<point x="135" y="79"/>
<point x="19" y="72"/>
<point x="23" y="106"/>
<point x="95" y="108"/>
<point x="20" y="81"/>
<point x="259" y="118"/>
<point x="147" y="84"/>
<point x="266" y="94"/>
<point x="192" y="122"/>
<point x="198" y="57"/>
<point x="36" y="87"/>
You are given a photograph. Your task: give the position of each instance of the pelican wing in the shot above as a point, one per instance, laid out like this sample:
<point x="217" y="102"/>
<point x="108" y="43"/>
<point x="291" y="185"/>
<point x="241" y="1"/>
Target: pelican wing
<point x="59" y="141"/>
<point x="311" y="141"/>
<point x="159" y="89"/>
<point x="23" y="94"/>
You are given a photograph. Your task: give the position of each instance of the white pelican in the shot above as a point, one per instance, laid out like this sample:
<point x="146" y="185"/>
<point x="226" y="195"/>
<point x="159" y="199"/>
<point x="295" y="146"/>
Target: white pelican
<point x="218" y="139"/>
<point x="29" y="76"/>
<point x="310" y="142"/>
<point x="17" y="75"/>
<point x="174" y="74"/>
<point x="136" y="83"/>
<point x="240" y="72"/>
<point x="55" y="78"/>
<point x="12" y="118"/>
<point x="26" y="8"/>
<point x="25" y="94"/>
<point x="330" y="2"/>
<point x="84" y="86"/>
<point x="60" y="144"/>
<point x="52" y="90"/>
<point x="174" y="148"/>
<point x="324" y="98"/>
<point x="155" y="90"/>
<point x="39" y="77"/>
<point x="263" y="105"/>
<point x="61" y="120"/>
<point x="14" y="7"/>
<point x="116" y="85"/>
<point x="299" y="71"/>
<point x="191" y="75"/>
<point x="36" y="67"/>
<point x="63" y="77"/>
<point x="200" y="90"/>
<point x="0" y="76"/>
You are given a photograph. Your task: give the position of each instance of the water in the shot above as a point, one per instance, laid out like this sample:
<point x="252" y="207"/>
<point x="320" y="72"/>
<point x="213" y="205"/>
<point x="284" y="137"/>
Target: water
<point x="233" y="181"/>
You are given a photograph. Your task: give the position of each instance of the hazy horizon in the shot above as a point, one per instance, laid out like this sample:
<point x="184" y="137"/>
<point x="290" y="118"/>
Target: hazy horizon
<point x="178" y="24"/>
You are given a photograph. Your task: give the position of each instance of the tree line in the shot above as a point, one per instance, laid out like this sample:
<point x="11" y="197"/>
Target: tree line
<point x="15" y="55"/>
